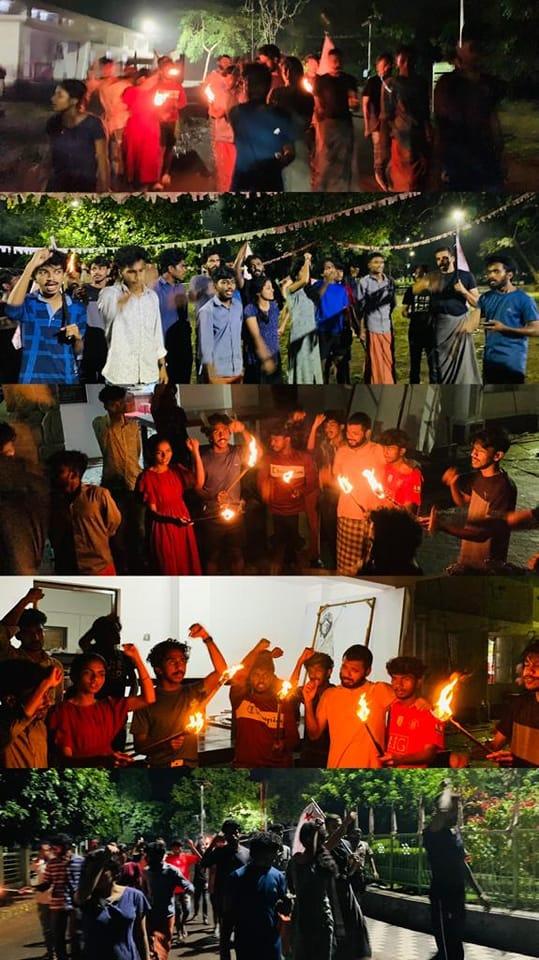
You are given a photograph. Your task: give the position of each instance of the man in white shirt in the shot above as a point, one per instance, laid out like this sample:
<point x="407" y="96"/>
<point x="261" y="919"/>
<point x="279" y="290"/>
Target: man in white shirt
<point x="132" y="319"/>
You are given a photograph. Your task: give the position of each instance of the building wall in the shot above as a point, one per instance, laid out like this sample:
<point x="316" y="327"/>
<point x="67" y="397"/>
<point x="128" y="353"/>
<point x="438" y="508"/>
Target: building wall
<point x="10" y="43"/>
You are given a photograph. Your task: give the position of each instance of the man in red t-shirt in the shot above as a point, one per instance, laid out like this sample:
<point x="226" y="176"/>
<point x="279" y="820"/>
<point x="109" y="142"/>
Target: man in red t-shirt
<point x="182" y="901"/>
<point x="414" y="736"/>
<point x="266" y="730"/>
<point x="287" y="480"/>
<point x="401" y="480"/>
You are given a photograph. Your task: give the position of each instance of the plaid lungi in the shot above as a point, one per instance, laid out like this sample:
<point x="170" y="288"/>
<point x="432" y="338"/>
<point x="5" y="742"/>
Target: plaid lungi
<point x="353" y="544"/>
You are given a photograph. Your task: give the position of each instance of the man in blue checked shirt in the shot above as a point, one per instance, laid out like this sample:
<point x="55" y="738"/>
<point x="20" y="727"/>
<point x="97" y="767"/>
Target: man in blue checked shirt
<point x="52" y="325"/>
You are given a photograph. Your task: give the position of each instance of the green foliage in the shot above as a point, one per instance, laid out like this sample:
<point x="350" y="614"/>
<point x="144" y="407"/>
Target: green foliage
<point x="78" y="802"/>
<point x="102" y="222"/>
<point x="227" y="793"/>
<point x="217" y="29"/>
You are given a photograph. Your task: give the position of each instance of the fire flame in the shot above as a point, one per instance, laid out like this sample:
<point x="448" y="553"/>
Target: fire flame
<point x="253" y="452"/>
<point x="209" y="93"/>
<point x="286" y="687"/>
<point x="231" y="672"/>
<point x="363" y="710"/>
<point x="443" y="709"/>
<point x="374" y="483"/>
<point x="160" y="98"/>
<point x="344" y="484"/>
<point x="71" y="265"/>
<point x="288" y="476"/>
<point x="307" y="85"/>
<point x="195" y="722"/>
<point x="173" y="72"/>
<point x="227" y="513"/>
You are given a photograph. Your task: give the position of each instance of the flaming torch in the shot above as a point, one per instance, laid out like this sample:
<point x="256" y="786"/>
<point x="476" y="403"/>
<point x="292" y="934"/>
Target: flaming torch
<point x="347" y="487"/>
<point x="377" y="487"/>
<point x="209" y="94"/>
<point x="73" y="265"/>
<point x="160" y="97"/>
<point x="251" y="462"/>
<point x="363" y="712"/>
<point x="227" y="513"/>
<point x="197" y="719"/>
<point x="195" y="722"/>
<point x="307" y="85"/>
<point x="288" y="476"/>
<point x="443" y="710"/>
<point x="282" y="695"/>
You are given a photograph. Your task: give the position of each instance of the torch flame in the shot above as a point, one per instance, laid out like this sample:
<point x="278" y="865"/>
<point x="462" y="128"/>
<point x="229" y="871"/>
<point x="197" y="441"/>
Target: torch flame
<point x="374" y="483"/>
<point x="288" y="476"/>
<point x="173" y="72"/>
<point x="195" y="722"/>
<point x="344" y="484"/>
<point x="286" y="687"/>
<point x="209" y="93"/>
<point x="227" y="513"/>
<point x="71" y="265"/>
<point x="363" y="710"/>
<point x="443" y="709"/>
<point x="160" y="98"/>
<point x="253" y="452"/>
<point x="307" y="85"/>
<point x="231" y="672"/>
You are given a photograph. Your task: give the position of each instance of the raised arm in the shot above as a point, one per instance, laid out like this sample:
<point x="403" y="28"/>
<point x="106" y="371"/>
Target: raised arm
<point x="146" y="682"/>
<point x="17" y="295"/>
<point x="196" y="630"/>
<point x="12" y="617"/>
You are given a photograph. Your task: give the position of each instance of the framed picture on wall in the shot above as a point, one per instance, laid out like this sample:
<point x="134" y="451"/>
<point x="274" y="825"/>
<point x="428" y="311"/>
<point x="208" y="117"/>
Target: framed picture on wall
<point x="55" y="638"/>
<point x="72" y="393"/>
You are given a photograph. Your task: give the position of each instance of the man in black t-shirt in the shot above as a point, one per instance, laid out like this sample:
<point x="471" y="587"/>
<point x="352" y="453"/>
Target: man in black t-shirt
<point x="488" y="492"/>
<point x="94" y="356"/>
<point x="450" y="873"/>
<point x="416" y="307"/>
<point x="374" y="127"/>
<point x="453" y="290"/>
<point x="335" y="97"/>
<point x="518" y="730"/>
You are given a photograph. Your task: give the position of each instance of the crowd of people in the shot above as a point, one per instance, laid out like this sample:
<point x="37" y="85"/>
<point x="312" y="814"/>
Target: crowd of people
<point x="47" y="719"/>
<point x="127" y="320"/>
<point x="268" y="899"/>
<point x="304" y="493"/>
<point x="277" y="123"/>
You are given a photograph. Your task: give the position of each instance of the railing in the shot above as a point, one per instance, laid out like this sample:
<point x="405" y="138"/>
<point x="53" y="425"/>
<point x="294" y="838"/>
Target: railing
<point x="504" y="862"/>
<point x="14" y="867"/>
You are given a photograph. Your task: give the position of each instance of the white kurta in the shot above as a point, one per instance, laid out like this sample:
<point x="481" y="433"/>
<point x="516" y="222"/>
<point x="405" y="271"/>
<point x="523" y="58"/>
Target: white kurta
<point x="134" y="336"/>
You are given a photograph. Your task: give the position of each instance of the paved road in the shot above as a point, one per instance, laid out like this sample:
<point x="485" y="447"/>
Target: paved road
<point x="20" y="940"/>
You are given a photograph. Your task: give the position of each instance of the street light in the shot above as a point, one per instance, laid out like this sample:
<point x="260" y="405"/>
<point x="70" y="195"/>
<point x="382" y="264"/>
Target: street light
<point x="149" y="26"/>
<point x="458" y="216"/>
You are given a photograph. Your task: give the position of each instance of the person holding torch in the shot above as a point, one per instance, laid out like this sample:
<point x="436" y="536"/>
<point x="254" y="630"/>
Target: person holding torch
<point x="159" y="730"/>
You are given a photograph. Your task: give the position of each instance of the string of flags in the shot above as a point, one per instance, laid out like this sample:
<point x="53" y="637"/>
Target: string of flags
<point x="294" y="226"/>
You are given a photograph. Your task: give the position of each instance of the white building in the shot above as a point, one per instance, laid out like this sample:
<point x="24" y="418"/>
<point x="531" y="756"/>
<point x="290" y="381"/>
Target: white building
<point x="48" y="43"/>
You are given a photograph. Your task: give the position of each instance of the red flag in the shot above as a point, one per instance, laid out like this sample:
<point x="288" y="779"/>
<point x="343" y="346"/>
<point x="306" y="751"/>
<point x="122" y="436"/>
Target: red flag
<point x="323" y="65"/>
<point x="311" y="812"/>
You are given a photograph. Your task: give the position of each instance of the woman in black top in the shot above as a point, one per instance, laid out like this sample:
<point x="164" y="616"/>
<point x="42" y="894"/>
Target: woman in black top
<point x="78" y="143"/>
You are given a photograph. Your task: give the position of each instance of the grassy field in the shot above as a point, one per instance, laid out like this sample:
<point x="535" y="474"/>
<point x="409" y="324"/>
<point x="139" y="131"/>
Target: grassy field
<point x="400" y="324"/>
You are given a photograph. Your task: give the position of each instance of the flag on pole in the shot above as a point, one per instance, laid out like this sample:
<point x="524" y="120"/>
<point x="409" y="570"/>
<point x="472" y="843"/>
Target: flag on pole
<point x="460" y="256"/>
<point x="323" y="64"/>
<point x="421" y="815"/>
<point x="311" y="812"/>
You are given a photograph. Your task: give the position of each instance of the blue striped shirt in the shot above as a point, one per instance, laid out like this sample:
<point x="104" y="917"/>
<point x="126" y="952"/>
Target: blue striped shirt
<point x="44" y="358"/>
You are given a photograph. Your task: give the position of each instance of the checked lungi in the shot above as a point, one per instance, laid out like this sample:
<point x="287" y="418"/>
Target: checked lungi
<point x="353" y="544"/>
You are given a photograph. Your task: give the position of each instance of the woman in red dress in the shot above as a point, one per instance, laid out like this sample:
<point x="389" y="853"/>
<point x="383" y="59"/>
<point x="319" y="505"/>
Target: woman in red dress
<point x="83" y="726"/>
<point x="142" y="135"/>
<point x="173" y="545"/>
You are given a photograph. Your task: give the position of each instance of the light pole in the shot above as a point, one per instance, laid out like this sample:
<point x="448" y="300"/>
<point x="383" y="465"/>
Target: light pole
<point x="202" y="811"/>
<point x="368" y="23"/>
